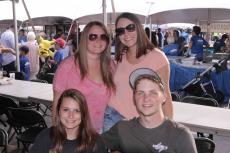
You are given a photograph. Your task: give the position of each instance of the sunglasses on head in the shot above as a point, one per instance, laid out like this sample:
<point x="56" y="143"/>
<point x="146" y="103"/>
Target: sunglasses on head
<point x="129" y="28"/>
<point x="93" y="37"/>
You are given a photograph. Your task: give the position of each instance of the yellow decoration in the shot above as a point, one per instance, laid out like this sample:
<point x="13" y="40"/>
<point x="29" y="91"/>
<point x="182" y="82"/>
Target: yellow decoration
<point x="44" y="47"/>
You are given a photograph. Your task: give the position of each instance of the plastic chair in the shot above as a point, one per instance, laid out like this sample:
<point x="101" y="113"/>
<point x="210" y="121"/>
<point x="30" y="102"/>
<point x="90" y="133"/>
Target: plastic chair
<point x="204" y="145"/>
<point x="201" y="101"/>
<point x="27" y="124"/>
<point x="3" y="140"/>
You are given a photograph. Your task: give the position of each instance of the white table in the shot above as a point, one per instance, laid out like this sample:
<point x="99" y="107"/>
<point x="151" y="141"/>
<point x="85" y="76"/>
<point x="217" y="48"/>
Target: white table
<point x="21" y="90"/>
<point x="198" y="118"/>
<point x="206" y="119"/>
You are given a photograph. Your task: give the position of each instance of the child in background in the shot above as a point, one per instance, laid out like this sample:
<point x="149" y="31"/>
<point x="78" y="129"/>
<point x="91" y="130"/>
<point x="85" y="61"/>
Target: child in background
<point x="58" y="55"/>
<point x="24" y="62"/>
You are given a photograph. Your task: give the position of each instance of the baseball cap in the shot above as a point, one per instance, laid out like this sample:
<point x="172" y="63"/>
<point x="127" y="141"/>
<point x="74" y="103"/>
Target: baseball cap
<point x="60" y="42"/>
<point x="143" y="72"/>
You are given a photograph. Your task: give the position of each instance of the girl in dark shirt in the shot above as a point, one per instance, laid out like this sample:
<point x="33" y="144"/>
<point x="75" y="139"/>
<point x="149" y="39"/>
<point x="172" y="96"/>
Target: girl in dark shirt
<point x="73" y="132"/>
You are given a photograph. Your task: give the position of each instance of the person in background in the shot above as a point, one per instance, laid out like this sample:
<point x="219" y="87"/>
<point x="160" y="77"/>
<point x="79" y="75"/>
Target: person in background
<point x="73" y="132"/>
<point x="133" y="50"/>
<point x="167" y="34"/>
<point x="220" y="45"/>
<point x="197" y="43"/>
<point x="58" y="55"/>
<point x="22" y="38"/>
<point x="2" y="51"/>
<point x="160" y="38"/>
<point x="33" y="54"/>
<point x="24" y="61"/>
<point x="152" y="131"/>
<point x="89" y="70"/>
<point x="172" y="48"/>
<point x="176" y="35"/>
<point x="154" y="38"/>
<point x="8" y="57"/>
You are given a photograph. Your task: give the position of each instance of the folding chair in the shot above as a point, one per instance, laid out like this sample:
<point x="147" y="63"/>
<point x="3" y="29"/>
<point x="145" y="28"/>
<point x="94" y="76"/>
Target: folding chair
<point x="204" y="145"/>
<point x="6" y="102"/>
<point x="27" y="124"/>
<point x="3" y="140"/>
<point x="201" y="101"/>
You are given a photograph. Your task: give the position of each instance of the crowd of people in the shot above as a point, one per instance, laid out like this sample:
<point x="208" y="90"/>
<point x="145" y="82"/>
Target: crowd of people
<point x="100" y="103"/>
<point x="34" y="52"/>
<point x="188" y="42"/>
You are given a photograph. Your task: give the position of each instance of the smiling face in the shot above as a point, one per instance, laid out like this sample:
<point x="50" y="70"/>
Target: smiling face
<point x="148" y="98"/>
<point x="96" y="41"/>
<point x="70" y="115"/>
<point x="129" y="38"/>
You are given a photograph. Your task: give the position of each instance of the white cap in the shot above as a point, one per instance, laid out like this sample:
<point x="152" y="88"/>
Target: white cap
<point x="143" y="72"/>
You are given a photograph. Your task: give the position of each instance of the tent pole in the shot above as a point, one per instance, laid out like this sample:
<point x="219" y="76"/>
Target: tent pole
<point x="16" y="36"/>
<point x="104" y="12"/>
<point x="28" y="14"/>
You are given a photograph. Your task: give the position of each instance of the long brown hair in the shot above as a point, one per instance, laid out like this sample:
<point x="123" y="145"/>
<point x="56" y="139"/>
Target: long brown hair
<point x="86" y="134"/>
<point x="105" y="58"/>
<point x="143" y="43"/>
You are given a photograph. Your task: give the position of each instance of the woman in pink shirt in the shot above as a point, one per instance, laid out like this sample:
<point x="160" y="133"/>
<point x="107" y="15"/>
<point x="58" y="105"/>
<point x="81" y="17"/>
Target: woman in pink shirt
<point x="90" y="71"/>
<point x="133" y="50"/>
<point x="33" y="54"/>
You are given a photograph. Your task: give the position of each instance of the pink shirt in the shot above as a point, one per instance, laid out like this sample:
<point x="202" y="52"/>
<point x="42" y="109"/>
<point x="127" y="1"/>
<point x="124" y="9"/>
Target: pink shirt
<point x="122" y="100"/>
<point x="33" y="56"/>
<point x="97" y="95"/>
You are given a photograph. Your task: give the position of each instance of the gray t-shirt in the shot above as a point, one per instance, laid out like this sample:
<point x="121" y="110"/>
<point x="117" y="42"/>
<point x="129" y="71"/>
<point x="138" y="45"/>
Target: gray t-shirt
<point x="132" y="137"/>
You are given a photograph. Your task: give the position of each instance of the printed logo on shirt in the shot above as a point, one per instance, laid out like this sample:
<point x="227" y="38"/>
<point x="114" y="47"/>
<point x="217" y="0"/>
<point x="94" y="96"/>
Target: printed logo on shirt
<point x="160" y="147"/>
<point x="27" y="64"/>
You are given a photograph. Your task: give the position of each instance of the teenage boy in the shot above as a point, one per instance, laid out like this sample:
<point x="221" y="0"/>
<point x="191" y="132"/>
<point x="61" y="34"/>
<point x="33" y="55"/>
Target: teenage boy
<point x="151" y="132"/>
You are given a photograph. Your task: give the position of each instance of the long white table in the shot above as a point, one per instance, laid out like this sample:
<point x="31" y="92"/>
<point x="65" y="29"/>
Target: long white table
<point x="206" y="119"/>
<point x="198" y="118"/>
<point x="21" y="90"/>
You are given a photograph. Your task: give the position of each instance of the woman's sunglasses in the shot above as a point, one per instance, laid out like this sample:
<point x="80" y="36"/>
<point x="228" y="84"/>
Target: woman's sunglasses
<point x="129" y="28"/>
<point x="93" y="37"/>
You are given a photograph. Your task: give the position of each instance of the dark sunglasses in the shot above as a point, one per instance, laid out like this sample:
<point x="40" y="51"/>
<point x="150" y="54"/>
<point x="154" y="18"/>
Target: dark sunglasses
<point x="93" y="37"/>
<point x="129" y="28"/>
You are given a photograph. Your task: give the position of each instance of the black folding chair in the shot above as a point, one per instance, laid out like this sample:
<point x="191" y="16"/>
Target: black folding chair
<point x="201" y="101"/>
<point x="6" y="102"/>
<point x="27" y="124"/>
<point x="39" y="107"/>
<point x="3" y="140"/>
<point x="204" y="145"/>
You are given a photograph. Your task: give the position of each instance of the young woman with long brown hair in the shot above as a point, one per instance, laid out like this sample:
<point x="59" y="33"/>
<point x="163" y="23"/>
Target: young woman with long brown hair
<point x="90" y="71"/>
<point x="73" y="132"/>
<point x="133" y="50"/>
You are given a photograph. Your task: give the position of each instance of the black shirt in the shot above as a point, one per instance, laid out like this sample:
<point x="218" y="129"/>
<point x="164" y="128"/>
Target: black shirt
<point x="43" y="144"/>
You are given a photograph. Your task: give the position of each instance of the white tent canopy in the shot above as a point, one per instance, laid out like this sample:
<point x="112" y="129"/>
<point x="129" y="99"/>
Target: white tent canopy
<point x="193" y="15"/>
<point x="77" y="8"/>
<point x="69" y="8"/>
<point x="111" y="17"/>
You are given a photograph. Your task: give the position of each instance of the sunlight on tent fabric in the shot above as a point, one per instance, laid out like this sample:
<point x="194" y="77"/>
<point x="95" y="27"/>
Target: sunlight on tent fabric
<point x="70" y="8"/>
